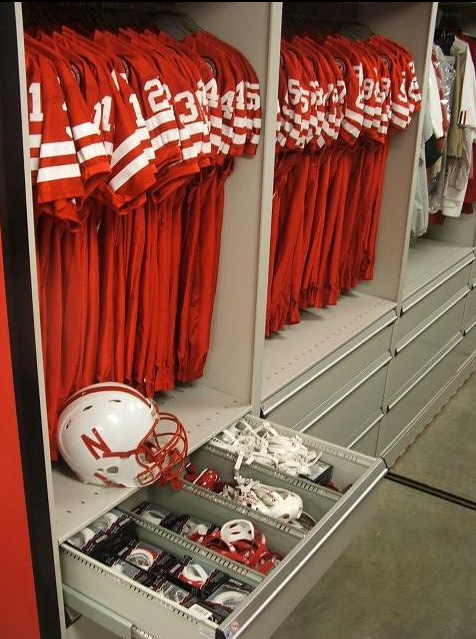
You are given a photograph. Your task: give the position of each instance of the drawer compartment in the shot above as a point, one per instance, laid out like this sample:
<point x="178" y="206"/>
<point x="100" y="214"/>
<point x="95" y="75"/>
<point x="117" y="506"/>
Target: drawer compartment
<point x="317" y="500"/>
<point x="424" y="303"/>
<point x="344" y="415"/>
<point x="419" y="393"/>
<point x="329" y="378"/>
<point x="426" y="341"/>
<point x="470" y="310"/>
<point x="128" y="608"/>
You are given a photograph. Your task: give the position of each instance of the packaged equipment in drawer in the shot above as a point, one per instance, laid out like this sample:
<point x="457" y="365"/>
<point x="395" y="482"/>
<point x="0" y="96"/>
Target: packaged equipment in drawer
<point x="184" y="580"/>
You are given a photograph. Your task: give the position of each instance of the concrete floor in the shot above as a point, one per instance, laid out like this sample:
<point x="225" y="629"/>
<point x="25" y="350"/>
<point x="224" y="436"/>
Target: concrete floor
<point x="444" y="454"/>
<point x="411" y="572"/>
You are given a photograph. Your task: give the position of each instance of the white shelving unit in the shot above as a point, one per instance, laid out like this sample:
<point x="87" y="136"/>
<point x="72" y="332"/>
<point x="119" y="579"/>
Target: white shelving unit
<point x="436" y="269"/>
<point x="294" y="357"/>
<point x="225" y="393"/>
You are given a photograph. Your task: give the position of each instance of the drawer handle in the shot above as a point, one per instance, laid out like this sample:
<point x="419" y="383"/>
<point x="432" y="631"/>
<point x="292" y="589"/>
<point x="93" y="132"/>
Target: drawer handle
<point x="432" y="319"/>
<point x="292" y="389"/>
<point x="470" y="327"/>
<point x="365" y="431"/>
<point x="426" y="371"/>
<point x="413" y="302"/>
<point x="384" y="360"/>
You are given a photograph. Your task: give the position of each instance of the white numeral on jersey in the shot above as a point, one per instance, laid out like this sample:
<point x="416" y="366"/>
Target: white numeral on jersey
<point x="253" y="101"/>
<point x="368" y="88"/>
<point x="212" y="93"/>
<point x="188" y="98"/>
<point x="102" y="115"/>
<point x="227" y="105"/>
<point x="294" y="92"/>
<point x="386" y="86"/>
<point x="240" y="96"/>
<point x="137" y="110"/>
<point x="342" y="89"/>
<point x="36" y="115"/>
<point x="157" y="97"/>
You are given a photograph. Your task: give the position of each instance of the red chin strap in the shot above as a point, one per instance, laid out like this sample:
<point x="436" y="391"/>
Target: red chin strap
<point x="162" y="462"/>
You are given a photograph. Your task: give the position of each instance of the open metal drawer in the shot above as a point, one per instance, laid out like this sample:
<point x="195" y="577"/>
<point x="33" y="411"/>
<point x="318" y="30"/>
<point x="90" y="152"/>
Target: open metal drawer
<point x="129" y="609"/>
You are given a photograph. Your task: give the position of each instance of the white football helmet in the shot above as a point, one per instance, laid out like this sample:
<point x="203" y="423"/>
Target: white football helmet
<point x="109" y="435"/>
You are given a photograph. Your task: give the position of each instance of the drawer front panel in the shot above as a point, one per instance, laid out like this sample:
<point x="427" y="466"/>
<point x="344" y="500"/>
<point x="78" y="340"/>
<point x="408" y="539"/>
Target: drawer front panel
<point x="473" y="272"/>
<point x="419" y="396"/>
<point x="120" y="604"/>
<point x="427" y="344"/>
<point x="470" y="311"/>
<point x="366" y="441"/>
<point x="467" y="346"/>
<point x="416" y="309"/>
<point x="349" y="416"/>
<point x="302" y="403"/>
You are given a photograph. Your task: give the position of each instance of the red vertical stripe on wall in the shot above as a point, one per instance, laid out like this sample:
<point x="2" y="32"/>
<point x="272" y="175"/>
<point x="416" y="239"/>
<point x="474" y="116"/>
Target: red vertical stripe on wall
<point x="18" y="606"/>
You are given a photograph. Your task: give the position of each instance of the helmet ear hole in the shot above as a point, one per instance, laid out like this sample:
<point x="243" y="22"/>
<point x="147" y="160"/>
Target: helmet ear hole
<point x="67" y="425"/>
<point x="112" y="470"/>
<point x="87" y="408"/>
<point x="116" y="401"/>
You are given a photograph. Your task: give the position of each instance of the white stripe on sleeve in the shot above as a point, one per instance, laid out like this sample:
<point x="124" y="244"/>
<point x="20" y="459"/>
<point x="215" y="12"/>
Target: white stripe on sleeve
<point x="136" y="165"/>
<point x="50" y="173"/>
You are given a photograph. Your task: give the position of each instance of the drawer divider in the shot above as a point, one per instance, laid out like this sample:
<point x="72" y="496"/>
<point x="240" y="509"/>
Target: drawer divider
<point x="243" y="510"/>
<point x="317" y="444"/>
<point x="173" y="539"/>
<point x="272" y="473"/>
